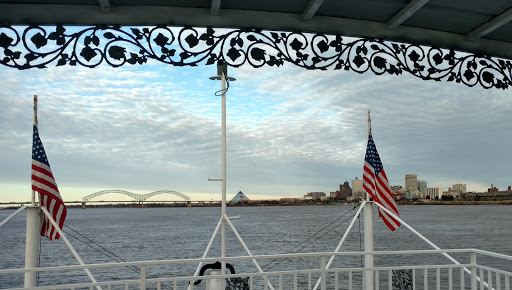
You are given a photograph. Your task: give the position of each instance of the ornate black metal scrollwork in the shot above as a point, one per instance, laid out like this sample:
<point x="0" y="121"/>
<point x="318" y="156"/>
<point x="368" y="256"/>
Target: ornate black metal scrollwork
<point x="38" y="47"/>
<point x="237" y="283"/>
<point x="402" y="279"/>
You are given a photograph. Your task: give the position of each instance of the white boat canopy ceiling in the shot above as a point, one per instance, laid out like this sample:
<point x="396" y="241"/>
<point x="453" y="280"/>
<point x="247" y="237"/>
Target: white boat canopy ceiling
<point x="480" y="28"/>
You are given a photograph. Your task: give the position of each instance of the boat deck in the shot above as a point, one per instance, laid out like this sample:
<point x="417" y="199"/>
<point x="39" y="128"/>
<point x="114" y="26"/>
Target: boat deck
<point x="392" y="270"/>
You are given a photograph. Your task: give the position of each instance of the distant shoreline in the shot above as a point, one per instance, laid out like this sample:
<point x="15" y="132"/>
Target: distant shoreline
<point x="469" y="202"/>
<point x="277" y="203"/>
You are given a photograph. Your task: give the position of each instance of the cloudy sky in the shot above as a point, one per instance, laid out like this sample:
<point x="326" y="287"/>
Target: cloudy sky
<point x="290" y="131"/>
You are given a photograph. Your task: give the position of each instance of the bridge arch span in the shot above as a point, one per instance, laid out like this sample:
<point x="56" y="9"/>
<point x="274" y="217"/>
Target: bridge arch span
<point x="109" y="191"/>
<point x="178" y="194"/>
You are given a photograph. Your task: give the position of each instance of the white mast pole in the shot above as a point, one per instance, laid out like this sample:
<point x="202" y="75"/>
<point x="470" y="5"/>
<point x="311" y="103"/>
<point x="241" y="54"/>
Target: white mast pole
<point x="33" y="200"/>
<point x="32" y="232"/>
<point x="223" y="218"/>
<point x="368" y="229"/>
<point x="222" y="75"/>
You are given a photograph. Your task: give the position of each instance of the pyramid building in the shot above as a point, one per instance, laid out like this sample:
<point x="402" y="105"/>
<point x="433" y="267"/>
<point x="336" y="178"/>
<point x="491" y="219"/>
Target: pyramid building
<point x="240" y="196"/>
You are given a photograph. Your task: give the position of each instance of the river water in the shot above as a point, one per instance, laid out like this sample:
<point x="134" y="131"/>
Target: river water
<point x="135" y="234"/>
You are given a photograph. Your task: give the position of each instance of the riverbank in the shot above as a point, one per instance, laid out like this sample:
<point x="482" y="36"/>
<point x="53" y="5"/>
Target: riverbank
<point x="466" y="202"/>
<point x="278" y="203"/>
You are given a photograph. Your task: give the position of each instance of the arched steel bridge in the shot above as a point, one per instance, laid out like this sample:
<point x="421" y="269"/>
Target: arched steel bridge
<point x="137" y="197"/>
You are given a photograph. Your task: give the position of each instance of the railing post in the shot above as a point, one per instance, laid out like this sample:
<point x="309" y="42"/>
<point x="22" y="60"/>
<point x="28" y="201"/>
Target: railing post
<point x="368" y="246"/>
<point x="425" y="279"/>
<point x="324" y="272"/>
<point x="32" y="245"/>
<point x="473" y="271"/>
<point x="143" y="277"/>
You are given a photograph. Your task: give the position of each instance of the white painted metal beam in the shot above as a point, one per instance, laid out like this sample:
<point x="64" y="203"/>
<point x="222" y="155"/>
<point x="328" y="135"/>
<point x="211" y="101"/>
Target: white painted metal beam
<point x="215" y="8"/>
<point x="405" y="13"/>
<point x="381" y="207"/>
<point x="311" y="9"/>
<point x="70" y="247"/>
<point x="490" y="26"/>
<point x="347" y="231"/>
<point x="198" y="269"/>
<point x="105" y="6"/>
<point x="12" y="215"/>
<point x="247" y="249"/>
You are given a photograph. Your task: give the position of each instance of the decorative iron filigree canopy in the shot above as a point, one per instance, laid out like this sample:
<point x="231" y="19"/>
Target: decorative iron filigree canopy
<point x="38" y="47"/>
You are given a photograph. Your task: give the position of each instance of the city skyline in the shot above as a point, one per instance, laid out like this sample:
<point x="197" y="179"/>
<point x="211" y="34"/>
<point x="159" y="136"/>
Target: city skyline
<point x="290" y="131"/>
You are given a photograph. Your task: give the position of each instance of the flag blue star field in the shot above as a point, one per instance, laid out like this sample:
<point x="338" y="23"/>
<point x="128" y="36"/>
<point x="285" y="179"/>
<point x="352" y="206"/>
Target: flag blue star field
<point x="44" y="183"/>
<point x="375" y="183"/>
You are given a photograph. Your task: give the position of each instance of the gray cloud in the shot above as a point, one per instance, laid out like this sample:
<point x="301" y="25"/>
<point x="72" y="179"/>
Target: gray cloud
<point x="290" y="131"/>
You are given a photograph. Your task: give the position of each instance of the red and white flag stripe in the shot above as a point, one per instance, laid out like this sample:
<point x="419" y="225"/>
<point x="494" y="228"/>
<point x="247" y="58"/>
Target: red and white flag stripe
<point x="44" y="183"/>
<point x="375" y="184"/>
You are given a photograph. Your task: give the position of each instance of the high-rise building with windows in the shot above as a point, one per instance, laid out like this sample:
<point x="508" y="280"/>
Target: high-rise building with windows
<point x="357" y="188"/>
<point x="460" y="188"/>
<point x="345" y="191"/>
<point x="422" y="186"/>
<point x="411" y="182"/>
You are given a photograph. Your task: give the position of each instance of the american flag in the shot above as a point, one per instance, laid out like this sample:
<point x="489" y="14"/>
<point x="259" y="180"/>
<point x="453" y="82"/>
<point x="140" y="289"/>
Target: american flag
<point x="44" y="183"/>
<point x="375" y="183"/>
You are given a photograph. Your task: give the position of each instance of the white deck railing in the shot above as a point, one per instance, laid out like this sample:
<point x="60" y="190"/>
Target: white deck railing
<point x="301" y="271"/>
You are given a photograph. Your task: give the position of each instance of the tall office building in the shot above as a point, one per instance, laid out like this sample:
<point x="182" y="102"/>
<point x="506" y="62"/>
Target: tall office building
<point x="357" y="188"/>
<point x="460" y="188"/>
<point x="345" y="191"/>
<point x="422" y="186"/>
<point x="411" y="182"/>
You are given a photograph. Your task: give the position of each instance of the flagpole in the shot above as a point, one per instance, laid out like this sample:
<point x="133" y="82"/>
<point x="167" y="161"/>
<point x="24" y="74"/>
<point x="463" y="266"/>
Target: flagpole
<point x="33" y="201"/>
<point x="368" y="228"/>
<point x="368" y="132"/>
<point x="32" y="232"/>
